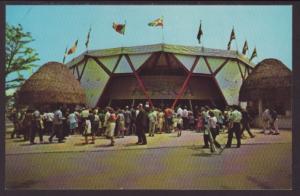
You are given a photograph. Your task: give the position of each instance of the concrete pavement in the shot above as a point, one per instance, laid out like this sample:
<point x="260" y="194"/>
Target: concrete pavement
<point x="167" y="162"/>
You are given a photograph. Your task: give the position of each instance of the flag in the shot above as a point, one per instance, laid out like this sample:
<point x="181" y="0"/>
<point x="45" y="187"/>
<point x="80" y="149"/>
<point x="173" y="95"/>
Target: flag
<point x="65" y="54"/>
<point x="88" y="38"/>
<point x="254" y="54"/>
<point x="232" y="37"/>
<point x="157" y="22"/>
<point x="200" y="33"/>
<point x="73" y="49"/>
<point x="120" y="28"/>
<point x="245" y="48"/>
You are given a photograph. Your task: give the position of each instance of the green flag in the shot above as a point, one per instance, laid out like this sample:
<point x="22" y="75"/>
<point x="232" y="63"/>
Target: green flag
<point x="232" y="37"/>
<point x="200" y="33"/>
<point x="245" y="48"/>
<point x="88" y="38"/>
<point x="254" y="54"/>
<point x="65" y="55"/>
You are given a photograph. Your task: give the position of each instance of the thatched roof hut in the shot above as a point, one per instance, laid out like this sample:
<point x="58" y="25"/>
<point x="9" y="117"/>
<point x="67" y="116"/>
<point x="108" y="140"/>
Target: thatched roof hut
<point x="52" y="84"/>
<point x="270" y="79"/>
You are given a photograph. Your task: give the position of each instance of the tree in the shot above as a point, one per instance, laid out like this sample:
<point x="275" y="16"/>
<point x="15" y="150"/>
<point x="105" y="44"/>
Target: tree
<point x="19" y="56"/>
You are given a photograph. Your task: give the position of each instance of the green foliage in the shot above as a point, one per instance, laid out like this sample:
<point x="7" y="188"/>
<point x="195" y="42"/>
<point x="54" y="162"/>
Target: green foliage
<point x="19" y="56"/>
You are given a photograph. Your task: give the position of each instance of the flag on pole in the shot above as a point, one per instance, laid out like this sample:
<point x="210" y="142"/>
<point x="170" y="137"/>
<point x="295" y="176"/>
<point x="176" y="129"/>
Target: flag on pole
<point x="200" y="33"/>
<point x="232" y="37"/>
<point x="245" y="48"/>
<point x="254" y="54"/>
<point x="73" y="48"/>
<point x="157" y="22"/>
<point x="88" y="38"/>
<point x="120" y="28"/>
<point x="65" y="55"/>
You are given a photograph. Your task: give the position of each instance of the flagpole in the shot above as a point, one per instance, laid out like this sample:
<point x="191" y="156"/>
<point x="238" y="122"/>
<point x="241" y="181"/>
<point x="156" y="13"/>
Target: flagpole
<point x="162" y="33"/>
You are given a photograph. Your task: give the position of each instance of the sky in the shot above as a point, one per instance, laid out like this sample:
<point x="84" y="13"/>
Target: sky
<point x="55" y="27"/>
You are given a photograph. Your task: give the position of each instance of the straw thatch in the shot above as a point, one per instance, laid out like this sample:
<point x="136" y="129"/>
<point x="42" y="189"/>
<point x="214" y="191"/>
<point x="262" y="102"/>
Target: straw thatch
<point x="53" y="83"/>
<point x="270" y="79"/>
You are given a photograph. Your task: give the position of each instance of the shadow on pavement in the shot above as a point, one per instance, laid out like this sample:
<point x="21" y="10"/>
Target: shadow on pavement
<point x="131" y="144"/>
<point x="103" y="145"/>
<point x="26" y="184"/>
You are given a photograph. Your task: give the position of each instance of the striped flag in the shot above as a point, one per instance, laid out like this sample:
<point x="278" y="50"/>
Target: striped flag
<point x="120" y="28"/>
<point x="254" y="54"/>
<point x="245" y="48"/>
<point x="200" y="33"/>
<point x="157" y="22"/>
<point x="73" y="48"/>
<point x="88" y="38"/>
<point x="232" y="37"/>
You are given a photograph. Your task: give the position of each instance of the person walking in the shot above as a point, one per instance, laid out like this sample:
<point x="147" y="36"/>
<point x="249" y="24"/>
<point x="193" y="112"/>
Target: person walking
<point x="213" y="129"/>
<point x="266" y="118"/>
<point x="246" y="123"/>
<point x="121" y="124"/>
<point x="205" y="116"/>
<point x="234" y="127"/>
<point x="127" y="116"/>
<point x="274" y="122"/>
<point x="141" y="125"/>
<point x="15" y="118"/>
<point x="133" y="121"/>
<point x="57" y="126"/>
<point x="160" y="120"/>
<point x="37" y="127"/>
<point x="185" y="115"/>
<point x="87" y="131"/>
<point x="111" y="125"/>
<point x="95" y="120"/>
<point x="73" y="123"/>
<point x="152" y="121"/>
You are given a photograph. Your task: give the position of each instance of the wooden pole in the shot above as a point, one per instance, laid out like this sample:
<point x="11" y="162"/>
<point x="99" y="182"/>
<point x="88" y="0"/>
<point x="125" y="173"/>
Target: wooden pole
<point x="140" y="82"/>
<point x="186" y="82"/>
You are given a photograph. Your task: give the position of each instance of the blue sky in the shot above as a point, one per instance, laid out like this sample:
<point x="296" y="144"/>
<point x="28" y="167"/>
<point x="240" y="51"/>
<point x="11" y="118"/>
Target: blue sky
<point x="54" y="27"/>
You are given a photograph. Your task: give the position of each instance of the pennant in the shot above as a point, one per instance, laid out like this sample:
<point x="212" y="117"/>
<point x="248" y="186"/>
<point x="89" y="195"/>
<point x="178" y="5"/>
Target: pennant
<point x="254" y="54"/>
<point x="157" y="22"/>
<point x="200" y="33"/>
<point x="88" y="38"/>
<point x="65" y="55"/>
<point x="232" y="37"/>
<point x="73" y="49"/>
<point x="245" y="48"/>
<point x="120" y="28"/>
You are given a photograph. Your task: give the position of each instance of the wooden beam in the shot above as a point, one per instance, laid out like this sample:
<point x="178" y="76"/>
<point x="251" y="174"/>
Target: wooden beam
<point x="151" y="56"/>
<point x="208" y="65"/>
<point x="105" y="88"/>
<point x="140" y="82"/>
<point x="219" y="88"/>
<point x="221" y="66"/>
<point x="77" y="71"/>
<point x="115" y="67"/>
<point x="179" y="62"/>
<point x="83" y="69"/>
<point x="240" y="70"/>
<point x="75" y="65"/>
<point x="186" y="82"/>
<point x="101" y="65"/>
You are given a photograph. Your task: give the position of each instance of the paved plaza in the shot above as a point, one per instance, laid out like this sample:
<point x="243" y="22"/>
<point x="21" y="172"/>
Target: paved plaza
<point x="167" y="162"/>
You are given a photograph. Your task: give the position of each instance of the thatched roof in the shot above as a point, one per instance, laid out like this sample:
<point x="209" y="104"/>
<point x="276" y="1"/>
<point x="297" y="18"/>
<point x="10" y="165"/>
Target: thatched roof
<point x="269" y="78"/>
<point x="53" y="83"/>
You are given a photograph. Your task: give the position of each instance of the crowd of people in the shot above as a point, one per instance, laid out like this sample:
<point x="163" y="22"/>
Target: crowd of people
<point x="121" y="122"/>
